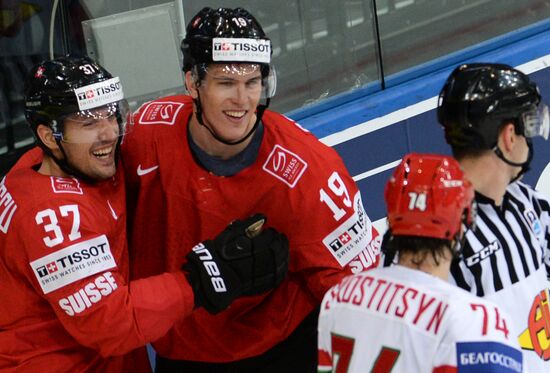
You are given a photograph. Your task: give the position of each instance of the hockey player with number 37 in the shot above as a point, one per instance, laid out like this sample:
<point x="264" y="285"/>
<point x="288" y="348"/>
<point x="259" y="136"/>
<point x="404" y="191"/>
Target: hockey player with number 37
<point x="195" y="162"/>
<point x="408" y="318"/>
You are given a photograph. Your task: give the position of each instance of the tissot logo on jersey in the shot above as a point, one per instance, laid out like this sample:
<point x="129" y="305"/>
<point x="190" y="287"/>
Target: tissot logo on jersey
<point x="483" y="254"/>
<point x="285" y="165"/>
<point x="351" y="237"/>
<point x="90" y="294"/>
<point x="477" y="357"/>
<point x="73" y="263"/>
<point x="7" y="207"/>
<point x="160" y="113"/>
<point x="240" y="49"/>
<point x="99" y="94"/>
<point x="65" y="185"/>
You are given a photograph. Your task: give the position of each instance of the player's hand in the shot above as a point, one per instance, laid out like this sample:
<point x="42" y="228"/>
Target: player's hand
<point x="242" y="260"/>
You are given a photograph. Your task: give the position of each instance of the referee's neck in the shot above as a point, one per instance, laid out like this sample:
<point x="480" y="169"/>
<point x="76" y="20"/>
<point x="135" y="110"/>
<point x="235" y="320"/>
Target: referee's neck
<point x="489" y="175"/>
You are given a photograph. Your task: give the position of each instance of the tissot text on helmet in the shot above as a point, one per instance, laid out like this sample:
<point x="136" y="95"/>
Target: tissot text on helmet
<point x="99" y="94"/>
<point x="238" y="49"/>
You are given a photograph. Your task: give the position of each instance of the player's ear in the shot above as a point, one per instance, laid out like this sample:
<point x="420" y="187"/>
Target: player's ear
<point x="45" y="134"/>
<point x="507" y="137"/>
<point x="191" y="84"/>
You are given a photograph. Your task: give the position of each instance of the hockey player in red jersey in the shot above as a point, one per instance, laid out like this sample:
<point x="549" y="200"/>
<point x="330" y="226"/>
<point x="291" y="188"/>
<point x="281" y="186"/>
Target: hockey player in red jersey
<point x="66" y="302"/>
<point x="194" y="163"/>
<point x="408" y="318"/>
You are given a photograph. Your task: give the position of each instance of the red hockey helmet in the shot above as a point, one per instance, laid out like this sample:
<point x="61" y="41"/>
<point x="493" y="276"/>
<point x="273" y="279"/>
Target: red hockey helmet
<point x="428" y="196"/>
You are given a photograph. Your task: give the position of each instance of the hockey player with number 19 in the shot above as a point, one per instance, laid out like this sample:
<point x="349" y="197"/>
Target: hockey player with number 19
<point x="194" y="163"/>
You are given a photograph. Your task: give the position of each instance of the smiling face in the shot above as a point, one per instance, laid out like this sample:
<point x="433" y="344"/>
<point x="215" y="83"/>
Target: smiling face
<point x="89" y="143"/>
<point x="229" y="95"/>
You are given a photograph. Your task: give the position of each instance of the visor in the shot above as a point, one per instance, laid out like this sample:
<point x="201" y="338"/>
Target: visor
<point x="240" y="71"/>
<point x="105" y="123"/>
<point x="536" y="122"/>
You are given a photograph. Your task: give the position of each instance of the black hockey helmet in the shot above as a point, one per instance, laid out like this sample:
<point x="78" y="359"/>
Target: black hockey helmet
<point x="234" y="39"/>
<point x="207" y="33"/>
<point x="478" y="98"/>
<point x="79" y="89"/>
<point x="67" y="85"/>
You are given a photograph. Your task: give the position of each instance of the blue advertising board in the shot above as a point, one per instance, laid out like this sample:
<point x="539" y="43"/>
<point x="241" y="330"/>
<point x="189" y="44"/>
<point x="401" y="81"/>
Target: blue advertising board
<point x="372" y="133"/>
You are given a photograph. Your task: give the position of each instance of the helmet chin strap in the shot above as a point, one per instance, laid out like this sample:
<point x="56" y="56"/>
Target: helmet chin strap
<point x="525" y="166"/>
<point x="259" y="113"/>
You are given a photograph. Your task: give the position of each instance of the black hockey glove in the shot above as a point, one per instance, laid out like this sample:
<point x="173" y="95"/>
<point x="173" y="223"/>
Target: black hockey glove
<point x="241" y="260"/>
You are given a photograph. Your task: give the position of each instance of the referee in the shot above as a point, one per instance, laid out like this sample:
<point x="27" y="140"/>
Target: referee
<point x="490" y="113"/>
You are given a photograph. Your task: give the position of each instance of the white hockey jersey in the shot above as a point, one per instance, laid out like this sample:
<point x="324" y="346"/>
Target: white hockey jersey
<point x="401" y="320"/>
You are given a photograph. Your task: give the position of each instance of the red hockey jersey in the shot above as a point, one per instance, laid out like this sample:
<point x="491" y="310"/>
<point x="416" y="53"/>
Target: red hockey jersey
<point x="66" y="303"/>
<point x="301" y="185"/>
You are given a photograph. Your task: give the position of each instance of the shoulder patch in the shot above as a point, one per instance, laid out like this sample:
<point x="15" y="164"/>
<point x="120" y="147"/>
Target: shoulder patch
<point x="285" y="165"/>
<point x="478" y="357"/>
<point x="73" y="263"/>
<point x="533" y="221"/>
<point x="65" y="185"/>
<point x="160" y="113"/>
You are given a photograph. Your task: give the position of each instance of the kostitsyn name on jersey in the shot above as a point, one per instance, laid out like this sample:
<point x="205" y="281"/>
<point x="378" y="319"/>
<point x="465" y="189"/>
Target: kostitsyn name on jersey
<point x="422" y="309"/>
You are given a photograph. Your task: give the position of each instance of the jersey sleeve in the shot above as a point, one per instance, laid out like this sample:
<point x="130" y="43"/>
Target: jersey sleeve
<point x="479" y="339"/>
<point x="340" y="238"/>
<point x="80" y="267"/>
